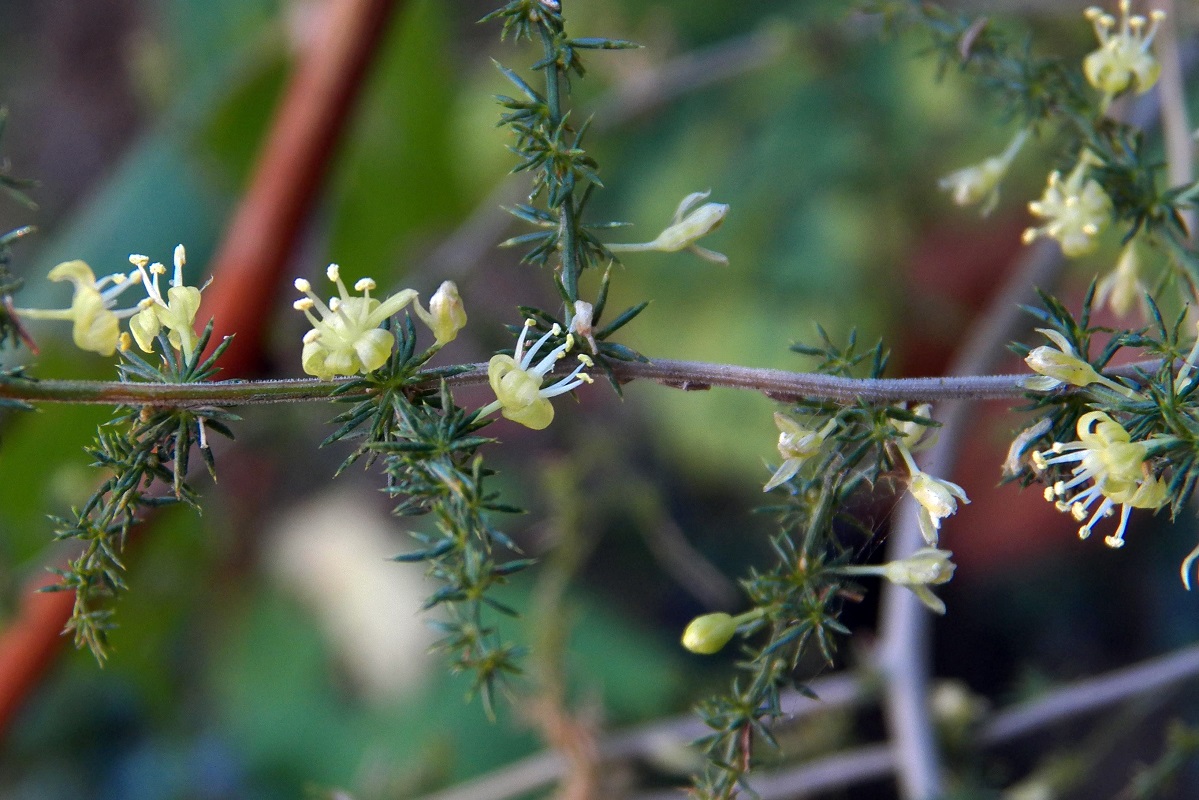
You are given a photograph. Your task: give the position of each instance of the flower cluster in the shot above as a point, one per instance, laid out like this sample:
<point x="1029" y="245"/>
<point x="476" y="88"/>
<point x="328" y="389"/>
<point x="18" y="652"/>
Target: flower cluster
<point x="1113" y="465"/>
<point x="1123" y="58"/>
<point x="516" y="380"/>
<point x="96" y="320"/>
<point x="1076" y="210"/>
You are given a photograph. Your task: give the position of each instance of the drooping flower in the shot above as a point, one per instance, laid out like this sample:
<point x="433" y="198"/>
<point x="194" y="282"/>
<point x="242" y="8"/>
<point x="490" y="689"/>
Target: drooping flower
<point x="927" y="567"/>
<point x="96" y="326"/>
<point x="176" y="312"/>
<point x="347" y="338"/>
<point x="1123" y="58"/>
<point x="938" y="498"/>
<point x="1061" y="365"/>
<point x="1122" y="287"/>
<point x="1113" y="465"/>
<point x="796" y="445"/>
<point x="979" y="183"/>
<point x="516" y="380"/>
<point x="686" y="228"/>
<point x="1076" y="209"/>
<point x="446" y="315"/>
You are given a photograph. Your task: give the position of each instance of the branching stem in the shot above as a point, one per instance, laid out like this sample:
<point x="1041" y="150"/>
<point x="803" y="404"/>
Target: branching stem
<point x="688" y="375"/>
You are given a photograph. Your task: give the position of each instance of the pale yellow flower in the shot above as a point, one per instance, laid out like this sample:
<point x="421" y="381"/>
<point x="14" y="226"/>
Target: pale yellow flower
<point x="1061" y="365"/>
<point x="938" y="498"/>
<point x="516" y="380"/>
<point x="96" y="326"/>
<point x="347" y="339"/>
<point x="1123" y="57"/>
<point x="1115" y="468"/>
<point x="796" y="445"/>
<point x="979" y="183"/>
<point x="687" y="227"/>
<point x="446" y="315"/>
<point x="1075" y="211"/>
<point x="927" y="567"/>
<point x="176" y="312"/>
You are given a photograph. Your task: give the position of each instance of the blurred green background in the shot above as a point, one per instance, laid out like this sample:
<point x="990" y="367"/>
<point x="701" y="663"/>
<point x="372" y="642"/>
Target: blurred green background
<point x="268" y="648"/>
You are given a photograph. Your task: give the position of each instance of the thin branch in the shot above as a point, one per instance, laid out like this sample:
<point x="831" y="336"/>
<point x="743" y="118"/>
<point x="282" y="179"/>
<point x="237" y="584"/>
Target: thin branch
<point x="1092" y="694"/>
<point x="873" y="762"/>
<point x="1176" y="128"/>
<point x="543" y="769"/>
<point x="776" y="384"/>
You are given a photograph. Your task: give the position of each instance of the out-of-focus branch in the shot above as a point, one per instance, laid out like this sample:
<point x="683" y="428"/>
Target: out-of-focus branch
<point x="543" y="769"/>
<point x="1176" y="129"/>
<point x="291" y="166"/>
<point x="261" y="235"/>
<point x="873" y="762"/>
<point x="904" y="622"/>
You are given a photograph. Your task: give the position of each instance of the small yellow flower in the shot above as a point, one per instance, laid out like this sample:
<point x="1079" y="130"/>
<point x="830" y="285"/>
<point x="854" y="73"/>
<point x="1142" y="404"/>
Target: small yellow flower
<point x="347" y="337"/>
<point x="96" y="326"/>
<point x="1115" y="467"/>
<point x="176" y="313"/>
<point x="797" y="444"/>
<point x="938" y="498"/>
<point x="517" y="381"/>
<point x="686" y="228"/>
<point x="446" y="315"/>
<point x="1122" y="58"/>
<point x="1076" y="210"/>
<point x="927" y="567"/>
<point x="1061" y="365"/>
<point x="980" y="182"/>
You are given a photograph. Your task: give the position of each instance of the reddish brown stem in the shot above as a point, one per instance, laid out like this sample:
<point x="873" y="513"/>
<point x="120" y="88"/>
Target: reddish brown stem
<point x="294" y="159"/>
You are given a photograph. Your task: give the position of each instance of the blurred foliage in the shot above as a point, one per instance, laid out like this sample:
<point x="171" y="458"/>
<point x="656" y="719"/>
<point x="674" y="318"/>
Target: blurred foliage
<point x="222" y="683"/>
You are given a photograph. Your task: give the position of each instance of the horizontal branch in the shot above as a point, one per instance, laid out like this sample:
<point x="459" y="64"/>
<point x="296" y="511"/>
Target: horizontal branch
<point x="688" y="375"/>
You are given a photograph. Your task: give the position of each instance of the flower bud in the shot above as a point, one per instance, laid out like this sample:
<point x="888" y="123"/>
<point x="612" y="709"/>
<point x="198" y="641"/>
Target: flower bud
<point x="709" y="634"/>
